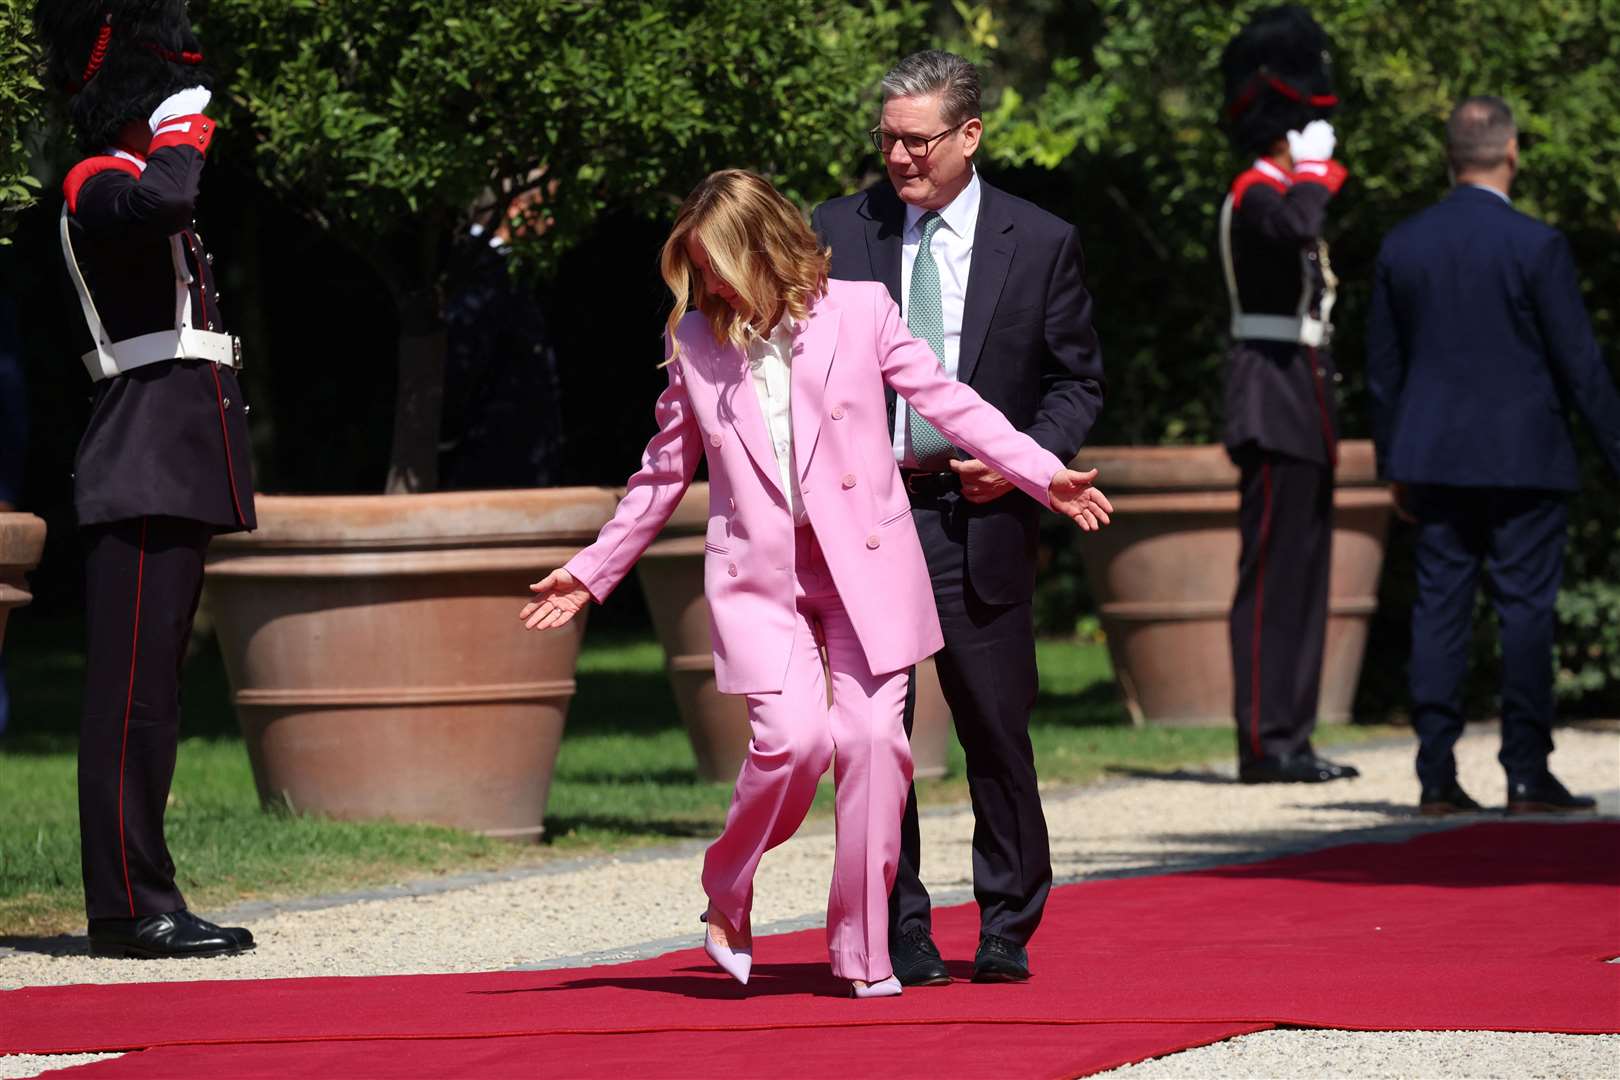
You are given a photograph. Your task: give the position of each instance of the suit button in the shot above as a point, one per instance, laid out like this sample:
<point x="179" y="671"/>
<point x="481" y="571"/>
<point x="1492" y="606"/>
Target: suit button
<point x="732" y="503"/>
<point x="849" y="480"/>
<point x="873" y="541"/>
<point x="838" y="413"/>
<point x="224" y="403"/>
<point x="714" y="440"/>
<point x="731" y="568"/>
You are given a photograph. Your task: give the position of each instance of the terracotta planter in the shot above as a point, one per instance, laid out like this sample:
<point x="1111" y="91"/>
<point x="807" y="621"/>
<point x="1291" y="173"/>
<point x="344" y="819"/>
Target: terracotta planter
<point x="672" y="578"/>
<point x="1164" y="572"/>
<point x="376" y="659"/>
<point x="22" y="541"/>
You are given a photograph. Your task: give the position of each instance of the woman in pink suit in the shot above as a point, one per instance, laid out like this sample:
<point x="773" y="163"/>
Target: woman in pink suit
<point x="778" y="377"/>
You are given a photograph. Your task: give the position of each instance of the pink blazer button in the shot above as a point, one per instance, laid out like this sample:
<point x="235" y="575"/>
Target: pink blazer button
<point x="838" y="413"/>
<point x="714" y="440"/>
<point x="732" y="503"/>
<point x="873" y="541"/>
<point x="849" y="480"/>
<point x="731" y="568"/>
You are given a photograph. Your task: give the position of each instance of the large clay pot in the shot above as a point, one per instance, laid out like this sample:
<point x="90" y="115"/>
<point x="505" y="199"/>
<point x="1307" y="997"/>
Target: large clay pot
<point x="1164" y="573"/>
<point x="671" y="573"/>
<point x="22" y="540"/>
<point x="376" y="659"/>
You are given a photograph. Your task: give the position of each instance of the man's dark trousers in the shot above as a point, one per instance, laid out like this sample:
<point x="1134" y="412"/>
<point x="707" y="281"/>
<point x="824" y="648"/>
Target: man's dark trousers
<point x="143" y="579"/>
<point x="987" y="672"/>
<point x="1278" y="622"/>
<point x="1517" y="536"/>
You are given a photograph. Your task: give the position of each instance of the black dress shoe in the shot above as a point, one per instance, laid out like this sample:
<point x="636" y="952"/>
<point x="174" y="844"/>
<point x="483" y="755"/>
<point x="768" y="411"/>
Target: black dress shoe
<point x="1000" y="960"/>
<point x="239" y="934"/>
<point x="170" y="935"/>
<point x="915" y="960"/>
<point x="1446" y="799"/>
<point x="1304" y="768"/>
<point x="1545" y="796"/>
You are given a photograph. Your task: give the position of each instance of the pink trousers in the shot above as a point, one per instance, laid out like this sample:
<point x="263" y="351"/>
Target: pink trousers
<point x="796" y="736"/>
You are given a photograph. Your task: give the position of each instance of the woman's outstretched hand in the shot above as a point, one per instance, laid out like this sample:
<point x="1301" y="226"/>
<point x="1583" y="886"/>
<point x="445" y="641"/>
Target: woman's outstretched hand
<point x="557" y="599"/>
<point x="1070" y="493"/>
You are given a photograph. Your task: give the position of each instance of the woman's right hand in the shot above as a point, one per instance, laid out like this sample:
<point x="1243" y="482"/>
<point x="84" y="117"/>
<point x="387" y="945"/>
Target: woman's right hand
<point x="557" y="599"/>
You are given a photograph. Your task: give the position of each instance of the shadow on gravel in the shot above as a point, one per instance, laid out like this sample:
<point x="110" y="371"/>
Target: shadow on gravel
<point x="561" y="825"/>
<point x="55" y="945"/>
<point x="1183" y="775"/>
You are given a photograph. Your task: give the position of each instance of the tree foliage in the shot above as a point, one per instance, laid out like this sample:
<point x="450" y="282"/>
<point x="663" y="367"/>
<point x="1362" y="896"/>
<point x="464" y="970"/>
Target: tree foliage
<point x="19" y="109"/>
<point x="391" y="119"/>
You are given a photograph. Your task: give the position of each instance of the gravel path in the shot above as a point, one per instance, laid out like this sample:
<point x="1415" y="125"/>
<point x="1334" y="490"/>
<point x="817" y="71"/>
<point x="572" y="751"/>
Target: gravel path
<point x="552" y="916"/>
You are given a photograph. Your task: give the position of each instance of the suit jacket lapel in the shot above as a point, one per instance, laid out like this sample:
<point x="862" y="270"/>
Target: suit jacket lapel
<point x="812" y="364"/>
<point x="885" y="217"/>
<point x="885" y="225"/>
<point x="740" y="404"/>
<point x="993" y="247"/>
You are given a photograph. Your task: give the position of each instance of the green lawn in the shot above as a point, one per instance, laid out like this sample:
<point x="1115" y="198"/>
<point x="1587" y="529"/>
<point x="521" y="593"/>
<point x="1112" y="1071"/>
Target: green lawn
<point x="625" y="777"/>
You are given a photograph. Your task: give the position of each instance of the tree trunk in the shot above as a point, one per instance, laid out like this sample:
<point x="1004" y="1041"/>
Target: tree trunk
<point x="413" y="463"/>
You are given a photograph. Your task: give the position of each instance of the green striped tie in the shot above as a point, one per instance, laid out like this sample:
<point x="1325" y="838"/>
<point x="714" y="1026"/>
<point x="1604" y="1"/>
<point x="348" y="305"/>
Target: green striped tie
<point x="926" y="318"/>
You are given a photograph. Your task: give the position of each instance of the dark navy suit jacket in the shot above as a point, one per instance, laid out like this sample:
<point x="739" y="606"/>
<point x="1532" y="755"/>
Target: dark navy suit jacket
<point x="1478" y="346"/>
<point x="1028" y="346"/>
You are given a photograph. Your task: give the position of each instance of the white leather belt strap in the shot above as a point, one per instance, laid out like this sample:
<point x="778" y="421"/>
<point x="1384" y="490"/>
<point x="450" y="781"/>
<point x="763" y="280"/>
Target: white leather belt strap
<point x="1302" y="330"/>
<point x="137" y="352"/>
<point x="185" y="342"/>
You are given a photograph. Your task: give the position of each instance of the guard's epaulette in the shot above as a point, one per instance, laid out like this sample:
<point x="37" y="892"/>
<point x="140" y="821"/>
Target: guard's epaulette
<point x="81" y="173"/>
<point x="1248" y="179"/>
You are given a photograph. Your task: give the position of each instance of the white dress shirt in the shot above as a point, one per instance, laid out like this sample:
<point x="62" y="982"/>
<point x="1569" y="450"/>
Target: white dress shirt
<point x="952" y="248"/>
<point x="770" y="360"/>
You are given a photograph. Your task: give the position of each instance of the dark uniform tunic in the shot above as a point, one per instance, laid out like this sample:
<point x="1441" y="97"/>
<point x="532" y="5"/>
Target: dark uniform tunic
<point x="162" y="467"/>
<point x="1281" y="433"/>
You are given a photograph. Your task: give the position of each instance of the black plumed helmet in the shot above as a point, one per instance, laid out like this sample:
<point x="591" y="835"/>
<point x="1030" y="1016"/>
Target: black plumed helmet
<point x="117" y="59"/>
<point x="1279" y="77"/>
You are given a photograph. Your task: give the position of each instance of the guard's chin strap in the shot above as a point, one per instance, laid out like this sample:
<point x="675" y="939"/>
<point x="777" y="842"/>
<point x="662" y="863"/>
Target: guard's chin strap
<point x="98" y="53"/>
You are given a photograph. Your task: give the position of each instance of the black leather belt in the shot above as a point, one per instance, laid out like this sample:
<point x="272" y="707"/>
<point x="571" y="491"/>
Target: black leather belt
<point x="921" y="484"/>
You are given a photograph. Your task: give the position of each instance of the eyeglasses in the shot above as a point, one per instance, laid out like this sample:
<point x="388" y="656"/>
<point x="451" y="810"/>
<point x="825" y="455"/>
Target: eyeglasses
<point x="917" y="146"/>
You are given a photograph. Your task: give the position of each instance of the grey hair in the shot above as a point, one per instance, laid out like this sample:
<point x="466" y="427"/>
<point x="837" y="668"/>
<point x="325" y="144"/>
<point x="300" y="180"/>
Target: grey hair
<point x="1477" y="134"/>
<point x="933" y="71"/>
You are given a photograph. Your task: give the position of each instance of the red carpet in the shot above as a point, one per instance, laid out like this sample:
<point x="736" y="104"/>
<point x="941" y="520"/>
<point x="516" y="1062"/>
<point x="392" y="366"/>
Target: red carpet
<point x="1497" y="927"/>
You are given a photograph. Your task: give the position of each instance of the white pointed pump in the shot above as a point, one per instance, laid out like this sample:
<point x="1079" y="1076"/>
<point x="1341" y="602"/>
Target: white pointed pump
<point x="736" y="962"/>
<point x="889" y="987"/>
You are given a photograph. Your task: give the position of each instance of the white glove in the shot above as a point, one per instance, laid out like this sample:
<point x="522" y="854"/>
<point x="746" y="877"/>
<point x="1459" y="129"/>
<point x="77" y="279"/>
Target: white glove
<point x="1315" y="143"/>
<point x="181" y="103"/>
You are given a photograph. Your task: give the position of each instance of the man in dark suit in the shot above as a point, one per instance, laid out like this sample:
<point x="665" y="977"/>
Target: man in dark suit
<point x="996" y="286"/>
<point x="1478" y="344"/>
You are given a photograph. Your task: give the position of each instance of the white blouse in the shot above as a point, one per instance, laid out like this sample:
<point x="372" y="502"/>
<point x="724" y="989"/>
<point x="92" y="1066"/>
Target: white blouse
<point x="770" y="359"/>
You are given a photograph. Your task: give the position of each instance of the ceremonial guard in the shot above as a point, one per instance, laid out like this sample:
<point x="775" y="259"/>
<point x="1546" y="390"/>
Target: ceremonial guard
<point x="163" y="465"/>
<point x="1280" y="428"/>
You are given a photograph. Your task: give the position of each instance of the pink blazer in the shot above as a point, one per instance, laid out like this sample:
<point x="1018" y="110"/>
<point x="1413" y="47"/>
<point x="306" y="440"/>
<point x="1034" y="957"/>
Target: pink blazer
<point x="853" y="342"/>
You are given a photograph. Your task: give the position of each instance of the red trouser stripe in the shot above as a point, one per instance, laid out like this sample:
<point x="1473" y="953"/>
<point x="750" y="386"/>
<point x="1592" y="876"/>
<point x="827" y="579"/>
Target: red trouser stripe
<point x="1259" y="613"/>
<point x="129" y="705"/>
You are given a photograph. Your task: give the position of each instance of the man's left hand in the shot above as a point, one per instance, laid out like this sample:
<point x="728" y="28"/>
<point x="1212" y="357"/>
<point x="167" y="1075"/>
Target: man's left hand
<point x="980" y="483"/>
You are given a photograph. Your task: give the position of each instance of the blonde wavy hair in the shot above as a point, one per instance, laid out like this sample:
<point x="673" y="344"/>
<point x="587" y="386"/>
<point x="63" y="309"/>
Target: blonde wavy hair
<point x="757" y="242"/>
